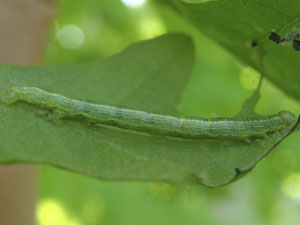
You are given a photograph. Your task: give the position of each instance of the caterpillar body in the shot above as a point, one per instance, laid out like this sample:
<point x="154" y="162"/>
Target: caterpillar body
<point x="156" y="124"/>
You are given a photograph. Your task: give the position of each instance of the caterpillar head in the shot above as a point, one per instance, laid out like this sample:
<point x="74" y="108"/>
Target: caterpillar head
<point x="288" y="117"/>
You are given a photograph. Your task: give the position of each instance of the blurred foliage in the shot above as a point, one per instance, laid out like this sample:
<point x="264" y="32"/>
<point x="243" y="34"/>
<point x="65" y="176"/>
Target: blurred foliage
<point x="267" y="196"/>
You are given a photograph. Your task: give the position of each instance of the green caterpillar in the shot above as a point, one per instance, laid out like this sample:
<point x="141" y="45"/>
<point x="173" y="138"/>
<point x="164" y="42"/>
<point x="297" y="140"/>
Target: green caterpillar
<point x="156" y="124"/>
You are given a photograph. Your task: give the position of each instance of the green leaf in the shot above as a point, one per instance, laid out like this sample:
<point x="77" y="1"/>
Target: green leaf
<point x="150" y="76"/>
<point x="234" y="24"/>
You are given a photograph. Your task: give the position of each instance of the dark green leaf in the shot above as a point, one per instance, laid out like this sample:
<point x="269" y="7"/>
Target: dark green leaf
<point x="235" y="24"/>
<point x="148" y="76"/>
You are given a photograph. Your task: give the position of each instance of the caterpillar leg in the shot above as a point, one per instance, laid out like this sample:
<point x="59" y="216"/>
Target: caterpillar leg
<point x="57" y="115"/>
<point x="54" y="116"/>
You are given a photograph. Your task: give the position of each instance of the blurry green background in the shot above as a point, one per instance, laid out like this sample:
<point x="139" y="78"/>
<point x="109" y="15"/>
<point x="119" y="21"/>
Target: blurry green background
<point x="92" y="30"/>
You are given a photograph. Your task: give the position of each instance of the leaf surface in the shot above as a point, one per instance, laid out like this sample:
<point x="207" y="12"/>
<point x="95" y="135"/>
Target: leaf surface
<point x="137" y="78"/>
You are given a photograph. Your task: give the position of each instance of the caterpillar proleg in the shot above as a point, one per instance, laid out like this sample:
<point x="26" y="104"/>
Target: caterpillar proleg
<point x="147" y="122"/>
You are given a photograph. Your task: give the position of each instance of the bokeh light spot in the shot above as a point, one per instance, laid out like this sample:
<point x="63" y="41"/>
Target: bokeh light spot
<point x="51" y="212"/>
<point x="249" y="78"/>
<point x="93" y="210"/>
<point x="70" y="36"/>
<point x="151" y="27"/>
<point x="134" y="3"/>
<point x="291" y="186"/>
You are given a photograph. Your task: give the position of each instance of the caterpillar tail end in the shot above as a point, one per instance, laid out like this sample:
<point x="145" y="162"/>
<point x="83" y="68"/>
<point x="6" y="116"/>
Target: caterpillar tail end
<point x="9" y="96"/>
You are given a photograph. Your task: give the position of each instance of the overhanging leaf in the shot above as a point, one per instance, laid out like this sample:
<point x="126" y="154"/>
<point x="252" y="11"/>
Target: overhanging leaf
<point x="234" y="24"/>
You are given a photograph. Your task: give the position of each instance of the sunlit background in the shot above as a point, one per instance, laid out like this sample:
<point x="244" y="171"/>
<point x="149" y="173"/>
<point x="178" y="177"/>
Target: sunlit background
<point x="91" y="30"/>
